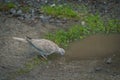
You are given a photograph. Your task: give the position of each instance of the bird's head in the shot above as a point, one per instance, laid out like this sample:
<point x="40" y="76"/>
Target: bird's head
<point x="61" y="51"/>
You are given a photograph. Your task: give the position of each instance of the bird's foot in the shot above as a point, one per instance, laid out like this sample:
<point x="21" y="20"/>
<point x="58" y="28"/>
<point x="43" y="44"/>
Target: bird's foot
<point x="44" y="57"/>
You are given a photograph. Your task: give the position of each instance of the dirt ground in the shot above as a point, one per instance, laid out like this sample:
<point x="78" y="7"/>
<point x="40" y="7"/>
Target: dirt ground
<point x="88" y="59"/>
<point x="14" y="54"/>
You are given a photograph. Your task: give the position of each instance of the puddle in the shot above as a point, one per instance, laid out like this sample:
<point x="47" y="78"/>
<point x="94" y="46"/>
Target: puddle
<point x="94" y="47"/>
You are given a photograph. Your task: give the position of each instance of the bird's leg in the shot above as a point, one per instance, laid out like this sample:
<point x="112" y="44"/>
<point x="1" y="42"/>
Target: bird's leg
<point x="44" y="56"/>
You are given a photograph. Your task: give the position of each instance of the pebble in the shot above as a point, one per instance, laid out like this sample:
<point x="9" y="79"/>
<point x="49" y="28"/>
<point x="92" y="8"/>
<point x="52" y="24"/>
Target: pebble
<point x="16" y="12"/>
<point x="19" y="12"/>
<point x="98" y="69"/>
<point x="21" y="18"/>
<point x="109" y="61"/>
<point x="44" y="18"/>
<point x="83" y="23"/>
<point x="53" y="5"/>
<point x="27" y="16"/>
<point x="52" y="20"/>
<point x="12" y="11"/>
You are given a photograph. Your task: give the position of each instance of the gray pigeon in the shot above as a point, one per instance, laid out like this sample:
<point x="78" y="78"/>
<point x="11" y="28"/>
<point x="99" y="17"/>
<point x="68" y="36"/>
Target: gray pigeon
<point x="44" y="46"/>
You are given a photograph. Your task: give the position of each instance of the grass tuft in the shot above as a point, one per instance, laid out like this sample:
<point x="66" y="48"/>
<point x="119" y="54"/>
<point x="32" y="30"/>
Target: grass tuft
<point x="60" y="11"/>
<point x="25" y="8"/>
<point x="6" y="6"/>
<point x="29" y="66"/>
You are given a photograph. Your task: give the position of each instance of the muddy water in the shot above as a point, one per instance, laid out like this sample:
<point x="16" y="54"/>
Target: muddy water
<point x="96" y="46"/>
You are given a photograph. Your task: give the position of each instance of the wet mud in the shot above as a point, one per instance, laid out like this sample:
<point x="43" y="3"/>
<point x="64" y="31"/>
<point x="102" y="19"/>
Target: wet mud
<point x="94" y="47"/>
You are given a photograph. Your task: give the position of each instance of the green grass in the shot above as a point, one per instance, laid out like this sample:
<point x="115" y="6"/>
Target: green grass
<point x="112" y="26"/>
<point x="60" y="11"/>
<point x="63" y="38"/>
<point x="96" y="24"/>
<point x="6" y="6"/>
<point x="25" y="8"/>
<point x="93" y="24"/>
<point x="28" y="66"/>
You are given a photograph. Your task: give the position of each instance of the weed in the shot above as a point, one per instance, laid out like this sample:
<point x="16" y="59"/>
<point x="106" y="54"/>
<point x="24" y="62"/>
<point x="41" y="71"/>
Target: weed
<point x="62" y="38"/>
<point x="94" y="23"/>
<point x="28" y="66"/>
<point x="112" y="26"/>
<point x="25" y="8"/>
<point x="60" y="11"/>
<point x="6" y="6"/>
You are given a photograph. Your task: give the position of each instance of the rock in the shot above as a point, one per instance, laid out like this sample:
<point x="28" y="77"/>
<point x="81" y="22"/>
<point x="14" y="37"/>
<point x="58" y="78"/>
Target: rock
<point x="19" y="12"/>
<point x="98" y="68"/>
<point x="44" y="18"/>
<point x="52" y="20"/>
<point x="83" y="23"/>
<point x="46" y="1"/>
<point x="6" y="1"/>
<point x="109" y="61"/>
<point x="58" y="21"/>
<point x="27" y="16"/>
<point x="79" y="0"/>
<point x="43" y="1"/>
<point x="53" y="5"/>
<point x="21" y="18"/>
<point x="32" y="12"/>
<point x="13" y="11"/>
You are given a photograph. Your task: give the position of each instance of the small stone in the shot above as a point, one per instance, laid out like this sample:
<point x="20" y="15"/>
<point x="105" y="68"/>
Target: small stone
<point x="41" y="17"/>
<point x="27" y="16"/>
<point x="7" y="1"/>
<point x="44" y="18"/>
<point x="53" y="5"/>
<point x="46" y="1"/>
<point x="58" y="21"/>
<point x="52" y="20"/>
<point x="12" y="11"/>
<point x="19" y="12"/>
<point x="32" y="12"/>
<point x="21" y="18"/>
<point x="98" y="69"/>
<point x="47" y="67"/>
<point x="83" y="23"/>
<point x="109" y="61"/>
<point x="80" y="0"/>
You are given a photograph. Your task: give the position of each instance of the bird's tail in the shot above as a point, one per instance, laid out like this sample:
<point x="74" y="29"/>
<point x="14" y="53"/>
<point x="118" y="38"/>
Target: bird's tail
<point x="28" y="39"/>
<point x="20" y="39"/>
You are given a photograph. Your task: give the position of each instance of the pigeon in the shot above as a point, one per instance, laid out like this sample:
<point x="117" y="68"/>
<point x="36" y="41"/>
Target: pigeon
<point x="44" y="46"/>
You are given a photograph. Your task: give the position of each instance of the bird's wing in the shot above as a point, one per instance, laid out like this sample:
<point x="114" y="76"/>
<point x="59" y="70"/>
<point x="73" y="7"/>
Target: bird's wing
<point x="47" y="46"/>
<point x="42" y="53"/>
